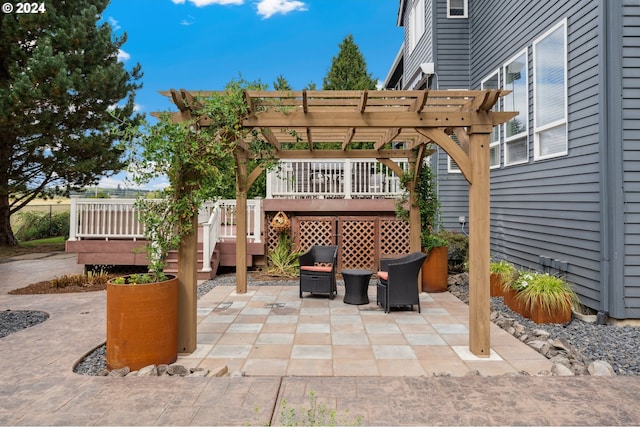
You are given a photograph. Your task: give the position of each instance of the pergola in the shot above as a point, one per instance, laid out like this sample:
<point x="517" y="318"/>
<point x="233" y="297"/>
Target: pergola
<point x="317" y="120"/>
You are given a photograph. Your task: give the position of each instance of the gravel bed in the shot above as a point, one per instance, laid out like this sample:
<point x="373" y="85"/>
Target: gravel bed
<point x="14" y="321"/>
<point x="618" y="345"/>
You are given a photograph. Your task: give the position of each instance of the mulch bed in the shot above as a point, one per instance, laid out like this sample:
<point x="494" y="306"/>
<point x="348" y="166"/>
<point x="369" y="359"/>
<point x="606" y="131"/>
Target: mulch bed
<point x="45" y="287"/>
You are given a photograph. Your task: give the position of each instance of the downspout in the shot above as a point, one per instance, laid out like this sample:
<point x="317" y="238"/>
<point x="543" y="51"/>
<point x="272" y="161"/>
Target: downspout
<point x="610" y="167"/>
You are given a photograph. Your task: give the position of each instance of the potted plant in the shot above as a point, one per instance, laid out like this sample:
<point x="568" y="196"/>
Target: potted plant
<point x="512" y="290"/>
<point x="502" y="274"/>
<point x="197" y="161"/>
<point x="547" y="298"/>
<point x="435" y="268"/>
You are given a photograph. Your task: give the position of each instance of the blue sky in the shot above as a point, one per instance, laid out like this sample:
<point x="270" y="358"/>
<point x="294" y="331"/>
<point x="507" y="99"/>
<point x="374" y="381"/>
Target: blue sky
<point x="203" y="44"/>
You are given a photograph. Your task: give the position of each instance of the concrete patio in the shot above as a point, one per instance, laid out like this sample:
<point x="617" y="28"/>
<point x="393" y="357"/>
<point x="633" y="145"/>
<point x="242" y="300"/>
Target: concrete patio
<point x="368" y="367"/>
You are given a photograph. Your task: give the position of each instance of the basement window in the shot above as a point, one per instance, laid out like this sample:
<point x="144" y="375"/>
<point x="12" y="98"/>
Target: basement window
<point x="457" y="8"/>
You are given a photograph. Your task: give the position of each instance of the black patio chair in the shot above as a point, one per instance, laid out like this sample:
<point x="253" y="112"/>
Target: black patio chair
<point x="398" y="281"/>
<point x="318" y="270"/>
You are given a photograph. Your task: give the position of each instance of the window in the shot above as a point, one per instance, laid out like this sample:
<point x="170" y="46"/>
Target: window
<point x="516" y="143"/>
<point x="550" y="93"/>
<point x="493" y="82"/>
<point x="416" y="23"/>
<point x="452" y="166"/>
<point x="457" y="9"/>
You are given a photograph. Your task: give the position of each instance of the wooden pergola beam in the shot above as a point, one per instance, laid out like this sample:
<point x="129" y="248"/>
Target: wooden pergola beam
<point x="414" y="117"/>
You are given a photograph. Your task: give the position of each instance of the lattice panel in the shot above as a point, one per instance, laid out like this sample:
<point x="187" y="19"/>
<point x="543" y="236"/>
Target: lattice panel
<point x="272" y="235"/>
<point x="394" y="237"/>
<point x="315" y="232"/>
<point x="358" y="243"/>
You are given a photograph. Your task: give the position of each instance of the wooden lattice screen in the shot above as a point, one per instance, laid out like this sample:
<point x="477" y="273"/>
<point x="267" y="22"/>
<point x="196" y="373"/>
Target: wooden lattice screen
<point x="361" y="240"/>
<point x="314" y="231"/>
<point x="358" y="246"/>
<point x="394" y="237"/>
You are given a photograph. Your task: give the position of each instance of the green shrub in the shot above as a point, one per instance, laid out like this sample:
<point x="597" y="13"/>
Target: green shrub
<point x="458" y="250"/>
<point x="551" y="293"/>
<point x="283" y="259"/>
<point x="506" y="270"/>
<point x="40" y="225"/>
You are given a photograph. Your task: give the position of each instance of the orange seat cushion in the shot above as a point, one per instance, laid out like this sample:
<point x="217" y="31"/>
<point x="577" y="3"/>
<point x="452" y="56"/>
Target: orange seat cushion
<point x="384" y="275"/>
<point x="320" y="268"/>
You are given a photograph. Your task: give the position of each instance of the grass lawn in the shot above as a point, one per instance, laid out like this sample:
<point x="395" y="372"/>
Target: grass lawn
<point x="50" y="244"/>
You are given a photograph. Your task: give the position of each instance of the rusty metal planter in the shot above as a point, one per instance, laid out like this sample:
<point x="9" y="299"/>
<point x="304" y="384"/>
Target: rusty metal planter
<point x="142" y="324"/>
<point x="435" y="270"/>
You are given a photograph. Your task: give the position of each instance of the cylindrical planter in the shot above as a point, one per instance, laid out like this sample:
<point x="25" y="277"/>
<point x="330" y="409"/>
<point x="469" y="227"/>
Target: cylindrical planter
<point x="142" y="324"/>
<point x="435" y="270"/>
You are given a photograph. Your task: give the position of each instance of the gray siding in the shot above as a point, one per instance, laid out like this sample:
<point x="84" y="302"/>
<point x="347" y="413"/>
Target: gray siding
<point x="423" y="51"/>
<point x="631" y="155"/>
<point x="453" y="71"/>
<point x="551" y="207"/>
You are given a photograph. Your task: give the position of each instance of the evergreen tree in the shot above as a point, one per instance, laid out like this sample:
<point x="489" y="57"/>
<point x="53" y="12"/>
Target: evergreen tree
<point x="62" y="89"/>
<point x="281" y="83"/>
<point x="348" y="69"/>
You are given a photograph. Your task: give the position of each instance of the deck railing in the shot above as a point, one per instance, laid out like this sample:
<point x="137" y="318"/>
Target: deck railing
<point x="334" y="179"/>
<point x="118" y="219"/>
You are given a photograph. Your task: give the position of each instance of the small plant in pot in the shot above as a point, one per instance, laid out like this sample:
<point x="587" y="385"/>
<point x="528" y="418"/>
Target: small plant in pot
<point x="547" y="298"/>
<point x="503" y="274"/>
<point x="435" y="268"/>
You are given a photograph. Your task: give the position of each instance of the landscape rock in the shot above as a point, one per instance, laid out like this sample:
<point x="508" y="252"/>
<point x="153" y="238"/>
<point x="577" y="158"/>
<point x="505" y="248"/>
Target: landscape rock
<point x="198" y="372"/>
<point x="560" y="370"/>
<point x="177" y="370"/>
<point x="220" y="372"/>
<point x="122" y="372"/>
<point x="148" y="371"/>
<point x="600" y="368"/>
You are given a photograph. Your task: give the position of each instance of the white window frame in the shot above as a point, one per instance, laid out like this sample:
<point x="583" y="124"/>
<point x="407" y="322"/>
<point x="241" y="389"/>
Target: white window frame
<point x="465" y="13"/>
<point x="495" y="143"/>
<point x="525" y="134"/>
<point x="416" y="23"/>
<point x="452" y="167"/>
<point x="537" y="130"/>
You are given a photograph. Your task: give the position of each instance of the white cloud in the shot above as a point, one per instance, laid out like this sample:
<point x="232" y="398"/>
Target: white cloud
<point x="268" y="8"/>
<point x="123" y="56"/>
<point x="114" y="24"/>
<point x="187" y="22"/>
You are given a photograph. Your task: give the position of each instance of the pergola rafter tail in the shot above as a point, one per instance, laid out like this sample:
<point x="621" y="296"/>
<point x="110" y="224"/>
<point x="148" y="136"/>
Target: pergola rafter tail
<point x="413" y="119"/>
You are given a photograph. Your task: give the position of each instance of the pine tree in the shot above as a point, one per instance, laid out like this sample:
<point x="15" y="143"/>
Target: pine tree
<point x="61" y="89"/>
<point x="348" y="69"/>
<point x="281" y="83"/>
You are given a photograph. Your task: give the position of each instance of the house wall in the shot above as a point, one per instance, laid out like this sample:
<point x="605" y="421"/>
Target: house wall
<point x="582" y="208"/>
<point x="423" y="51"/>
<point x="547" y="207"/>
<point x="630" y="129"/>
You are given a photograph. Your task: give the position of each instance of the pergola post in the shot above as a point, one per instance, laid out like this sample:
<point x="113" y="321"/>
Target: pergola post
<point x="479" y="212"/>
<point x="241" y="223"/>
<point x="187" y="289"/>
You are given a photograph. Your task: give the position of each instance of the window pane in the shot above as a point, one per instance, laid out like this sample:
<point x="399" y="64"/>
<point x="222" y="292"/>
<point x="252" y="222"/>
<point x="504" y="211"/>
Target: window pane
<point x="494" y="155"/>
<point x="516" y="151"/>
<point x="553" y="141"/>
<point x="515" y="80"/>
<point x="456" y="8"/>
<point x="549" y="72"/>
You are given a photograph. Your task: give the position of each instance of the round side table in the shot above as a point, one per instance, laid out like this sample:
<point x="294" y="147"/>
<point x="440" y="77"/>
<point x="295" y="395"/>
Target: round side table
<point x="356" y="284"/>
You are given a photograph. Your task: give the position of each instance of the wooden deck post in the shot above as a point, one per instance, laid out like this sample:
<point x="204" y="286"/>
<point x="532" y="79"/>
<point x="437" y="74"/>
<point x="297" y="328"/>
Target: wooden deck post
<point x="187" y="290"/>
<point x="241" y="223"/>
<point x="479" y="211"/>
